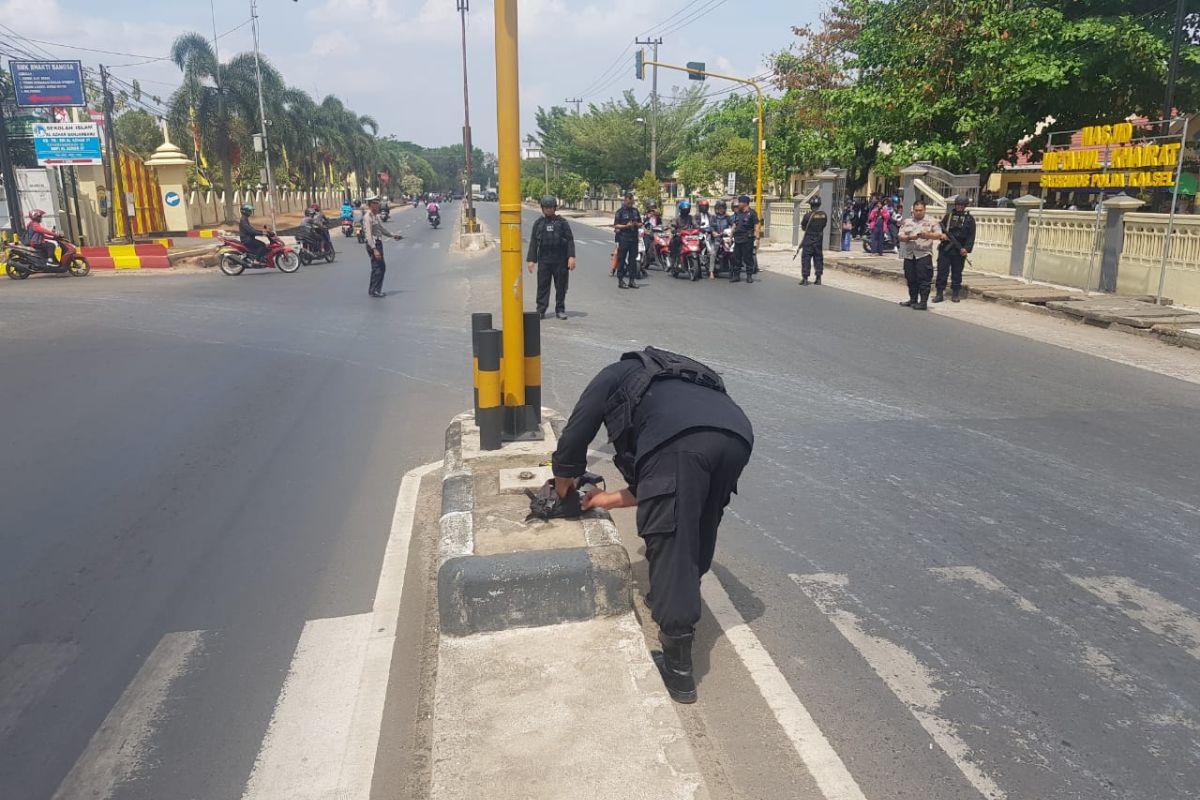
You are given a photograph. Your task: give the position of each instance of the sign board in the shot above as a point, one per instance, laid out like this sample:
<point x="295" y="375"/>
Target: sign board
<point x="730" y="183"/>
<point x="172" y="199"/>
<point x="695" y="70"/>
<point x="47" y="83"/>
<point x="58" y="144"/>
<point x="1107" y="157"/>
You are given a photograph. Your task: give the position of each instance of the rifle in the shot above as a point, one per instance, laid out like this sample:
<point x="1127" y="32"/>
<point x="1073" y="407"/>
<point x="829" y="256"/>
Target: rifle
<point x="954" y="241"/>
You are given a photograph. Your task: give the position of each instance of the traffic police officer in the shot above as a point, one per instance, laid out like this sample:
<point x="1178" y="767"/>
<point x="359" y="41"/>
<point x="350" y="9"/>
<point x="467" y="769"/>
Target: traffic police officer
<point x="552" y="251"/>
<point x="680" y="443"/>
<point x="812" y="246"/>
<point x="745" y="229"/>
<point x="958" y="240"/>
<point x="626" y="223"/>
<point x="373" y="233"/>
<point x="916" y="238"/>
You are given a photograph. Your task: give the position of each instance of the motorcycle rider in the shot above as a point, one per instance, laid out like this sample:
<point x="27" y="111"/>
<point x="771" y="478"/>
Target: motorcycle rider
<point x="248" y="234"/>
<point x="44" y="239"/>
<point x="812" y="246"/>
<point x="719" y="222"/>
<point x="347" y="210"/>
<point x="432" y="210"/>
<point x="703" y="217"/>
<point x="745" y="229"/>
<point x="683" y="221"/>
<point x="321" y="224"/>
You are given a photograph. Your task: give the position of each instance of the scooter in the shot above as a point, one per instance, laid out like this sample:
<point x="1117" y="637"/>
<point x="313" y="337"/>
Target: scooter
<point x="21" y="261"/>
<point x="347" y="227"/>
<point x="689" y="254"/>
<point x="358" y="233"/>
<point x="435" y="219"/>
<point x="236" y="257"/>
<point x="313" y="245"/>
<point x="720" y="253"/>
<point x="659" y="254"/>
<point x="385" y="213"/>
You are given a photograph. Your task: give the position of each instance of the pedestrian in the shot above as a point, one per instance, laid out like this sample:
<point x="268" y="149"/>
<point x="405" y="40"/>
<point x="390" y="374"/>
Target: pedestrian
<point x="895" y="221"/>
<point x="626" y="223"/>
<point x="847" y="226"/>
<point x="373" y="233"/>
<point x="681" y="444"/>
<point x="812" y="246"/>
<point x="958" y="240"/>
<point x="745" y="230"/>
<point x="916" y="239"/>
<point x="552" y="252"/>
<point x="877" y="223"/>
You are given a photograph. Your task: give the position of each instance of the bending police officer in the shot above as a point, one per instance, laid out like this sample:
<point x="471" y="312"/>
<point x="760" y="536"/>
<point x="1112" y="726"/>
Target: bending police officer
<point x="552" y="251"/>
<point x="958" y="240"/>
<point x="812" y="246"/>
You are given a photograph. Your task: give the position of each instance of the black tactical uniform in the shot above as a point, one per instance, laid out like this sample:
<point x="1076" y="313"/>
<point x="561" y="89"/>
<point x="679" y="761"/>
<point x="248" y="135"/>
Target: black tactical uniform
<point x="745" y="228"/>
<point x="681" y="448"/>
<point x="812" y="246"/>
<point x="550" y="245"/>
<point x="627" y="246"/>
<point x="960" y="226"/>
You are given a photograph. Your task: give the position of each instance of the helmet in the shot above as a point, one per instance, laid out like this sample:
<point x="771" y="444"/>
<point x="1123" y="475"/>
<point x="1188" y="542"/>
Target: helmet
<point x="702" y="205"/>
<point x="315" y="207"/>
<point x="961" y="200"/>
<point x="815" y="202"/>
<point x="247" y="208"/>
<point x="358" y="203"/>
<point x="373" y="198"/>
<point x="720" y="205"/>
<point x="37" y="214"/>
<point x="684" y="206"/>
<point x="549" y="201"/>
<point x="744" y="198"/>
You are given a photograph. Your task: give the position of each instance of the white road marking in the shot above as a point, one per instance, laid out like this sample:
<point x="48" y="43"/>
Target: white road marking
<point x="28" y="672"/>
<point x="818" y="755"/>
<point x="437" y="245"/>
<point x="118" y="749"/>
<point x="985" y="580"/>
<point x="909" y="679"/>
<point x="1151" y="610"/>
<point x="324" y="732"/>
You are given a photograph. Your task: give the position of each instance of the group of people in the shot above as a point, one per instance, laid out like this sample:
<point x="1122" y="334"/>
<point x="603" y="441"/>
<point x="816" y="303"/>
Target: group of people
<point x="955" y="238"/>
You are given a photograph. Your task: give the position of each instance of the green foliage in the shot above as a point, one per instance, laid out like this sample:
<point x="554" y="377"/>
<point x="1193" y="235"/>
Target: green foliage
<point x="722" y="141"/>
<point x="139" y="131"/>
<point x="412" y="184"/>
<point x="568" y="187"/>
<point x="648" y="189"/>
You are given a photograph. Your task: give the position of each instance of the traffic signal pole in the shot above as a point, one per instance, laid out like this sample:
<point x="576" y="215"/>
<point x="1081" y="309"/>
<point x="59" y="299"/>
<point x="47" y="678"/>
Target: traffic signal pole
<point x="762" y="143"/>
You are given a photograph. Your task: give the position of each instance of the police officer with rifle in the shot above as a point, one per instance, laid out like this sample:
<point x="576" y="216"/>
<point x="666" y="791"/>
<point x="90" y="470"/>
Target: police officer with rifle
<point x="552" y="252"/>
<point x="958" y="240"/>
<point x="812" y="246"/>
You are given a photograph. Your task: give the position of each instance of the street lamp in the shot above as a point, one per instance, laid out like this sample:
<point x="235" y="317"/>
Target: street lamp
<point x="262" y="114"/>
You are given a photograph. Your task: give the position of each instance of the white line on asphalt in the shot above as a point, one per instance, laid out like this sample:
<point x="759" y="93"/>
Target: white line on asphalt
<point x="28" y="672"/>
<point x="1151" y="610"/>
<point x="119" y="747"/>
<point x="818" y="755"/>
<point x="325" y="729"/>
<point x="909" y="679"/>
<point x="985" y="580"/>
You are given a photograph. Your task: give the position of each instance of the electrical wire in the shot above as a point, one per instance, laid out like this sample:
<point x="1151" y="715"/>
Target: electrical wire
<point x="96" y="50"/>
<point x="695" y="16"/>
<point x="608" y="71"/>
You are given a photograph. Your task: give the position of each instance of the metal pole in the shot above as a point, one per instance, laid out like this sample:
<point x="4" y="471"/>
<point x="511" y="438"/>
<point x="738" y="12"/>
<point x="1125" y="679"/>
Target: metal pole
<point x="762" y="145"/>
<point x="654" y="43"/>
<point x="1162" y="269"/>
<point x="116" y="204"/>
<point x="10" y="177"/>
<point x="508" y="153"/>
<point x="469" y="224"/>
<point x="1036" y="236"/>
<point x="1087" y="286"/>
<point x="1173" y="67"/>
<point x="262" y="114"/>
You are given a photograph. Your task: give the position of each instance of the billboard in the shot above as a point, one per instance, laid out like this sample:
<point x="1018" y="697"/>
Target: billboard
<point x="59" y="144"/>
<point x="47" y="83"/>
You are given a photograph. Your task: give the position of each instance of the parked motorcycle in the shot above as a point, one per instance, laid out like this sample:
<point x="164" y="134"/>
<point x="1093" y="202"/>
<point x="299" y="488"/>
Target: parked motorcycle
<point x="236" y="257"/>
<point x="21" y="261"/>
<point x="690" y="252"/>
<point x="313" y="245"/>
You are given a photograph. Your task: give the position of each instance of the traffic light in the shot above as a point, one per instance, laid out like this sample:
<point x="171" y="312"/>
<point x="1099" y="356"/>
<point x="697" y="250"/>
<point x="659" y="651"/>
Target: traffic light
<point x="696" y="70"/>
<point x="639" y="64"/>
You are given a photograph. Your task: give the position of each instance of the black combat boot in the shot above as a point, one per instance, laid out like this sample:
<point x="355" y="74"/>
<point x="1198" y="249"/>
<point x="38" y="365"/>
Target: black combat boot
<point x="675" y="665"/>
<point x="908" y="303"/>
<point x="632" y="284"/>
<point x="940" y="296"/>
<point x="817" y="281"/>
<point x="954" y="295"/>
<point x="923" y="303"/>
<point x="735" y="277"/>
<point x="804" y="281"/>
<point x="621" y="283"/>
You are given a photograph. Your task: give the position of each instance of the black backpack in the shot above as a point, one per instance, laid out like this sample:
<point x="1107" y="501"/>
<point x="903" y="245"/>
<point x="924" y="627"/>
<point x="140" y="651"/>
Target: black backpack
<point x="656" y="365"/>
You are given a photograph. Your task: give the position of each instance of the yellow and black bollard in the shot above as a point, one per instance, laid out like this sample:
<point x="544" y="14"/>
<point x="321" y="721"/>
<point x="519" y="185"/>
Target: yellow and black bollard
<point x="490" y="417"/>
<point x="533" y="367"/>
<point x="479" y="323"/>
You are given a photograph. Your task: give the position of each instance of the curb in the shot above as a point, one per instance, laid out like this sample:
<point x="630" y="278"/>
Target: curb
<point x="127" y="256"/>
<point x="478" y="593"/>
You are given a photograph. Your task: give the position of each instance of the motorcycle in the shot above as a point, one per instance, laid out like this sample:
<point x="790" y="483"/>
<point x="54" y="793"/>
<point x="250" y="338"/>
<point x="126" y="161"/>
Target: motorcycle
<point x="435" y="219"/>
<point x="659" y="254"/>
<point x="347" y="227"/>
<point x="313" y="245"/>
<point x="358" y="233"/>
<point x="21" y="261"/>
<point x="236" y="257"/>
<point x="385" y="213"/>
<point x="689" y="255"/>
<point x="720" y="253"/>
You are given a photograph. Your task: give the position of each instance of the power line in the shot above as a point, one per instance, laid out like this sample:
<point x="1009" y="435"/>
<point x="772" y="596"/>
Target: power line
<point x="695" y="16"/>
<point x="588" y="92"/>
<point x="96" y="50"/>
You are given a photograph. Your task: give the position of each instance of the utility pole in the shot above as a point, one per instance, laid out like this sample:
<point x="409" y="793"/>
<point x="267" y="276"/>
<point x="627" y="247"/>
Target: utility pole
<point x="469" y="223"/>
<point x="223" y="136"/>
<point x="115" y="184"/>
<point x="653" y="104"/>
<point x="8" y="173"/>
<point x="1173" y="68"/>
<point x="575" y="101"/>
<point x="262" y="113"/>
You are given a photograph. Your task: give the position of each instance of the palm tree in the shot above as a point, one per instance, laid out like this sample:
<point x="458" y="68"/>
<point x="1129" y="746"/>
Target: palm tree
<point x="201" y="99"/>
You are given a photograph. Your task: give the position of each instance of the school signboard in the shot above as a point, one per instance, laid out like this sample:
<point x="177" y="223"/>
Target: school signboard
<point x="61" y="144"/>
<point x="47" y="83"/>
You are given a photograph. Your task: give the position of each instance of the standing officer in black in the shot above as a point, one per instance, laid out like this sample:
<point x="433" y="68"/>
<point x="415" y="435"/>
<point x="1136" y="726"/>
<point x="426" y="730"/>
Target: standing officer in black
<point x="812" y="246"/>
<point x="552" y="251"/>
<point x="745" y="229"/>
<point x="626" y="223"/>
<point x="681" y="443"/>
<point x="958" y="240"/>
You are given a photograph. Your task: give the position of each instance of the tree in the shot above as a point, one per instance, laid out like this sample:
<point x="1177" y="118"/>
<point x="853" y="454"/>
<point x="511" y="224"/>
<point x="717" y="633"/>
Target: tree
<point x="139" y="131"/>
<point x="648" y="189"/>
<point x="412" y="185"/>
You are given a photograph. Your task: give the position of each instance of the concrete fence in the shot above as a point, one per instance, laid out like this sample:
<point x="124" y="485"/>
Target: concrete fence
<point x="206" y="207"/>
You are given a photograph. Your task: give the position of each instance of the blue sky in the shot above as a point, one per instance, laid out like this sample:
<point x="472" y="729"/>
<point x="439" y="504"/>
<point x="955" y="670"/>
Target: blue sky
<point x="399" y="60"/>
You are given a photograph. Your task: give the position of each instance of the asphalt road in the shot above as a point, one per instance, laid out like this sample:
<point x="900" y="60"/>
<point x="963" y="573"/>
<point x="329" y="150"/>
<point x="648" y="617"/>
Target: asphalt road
<point x="972" y="556"/>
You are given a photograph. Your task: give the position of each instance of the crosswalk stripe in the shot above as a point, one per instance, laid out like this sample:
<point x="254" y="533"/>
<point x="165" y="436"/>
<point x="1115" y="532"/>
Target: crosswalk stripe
<point x="118" y="749"/>
<point x="910" y="680"/>
<point x="984" y="580"/>
<point x="437" y="245"/>
<point x="28" y="672"/>
<point x="1148" y="608"/>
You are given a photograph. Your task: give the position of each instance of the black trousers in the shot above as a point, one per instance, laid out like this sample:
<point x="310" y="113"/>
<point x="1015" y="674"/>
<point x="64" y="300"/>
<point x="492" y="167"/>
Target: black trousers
<point x="950" y="265"/>
<point x="812" y="255"/>
<point x="560" y="275"/>
<point x="627" y="266"/>
<point x="919" y="274"/>
<point x="378" y="267"/>
<point x="683" y="488"/>
<point x="743" y="257"/>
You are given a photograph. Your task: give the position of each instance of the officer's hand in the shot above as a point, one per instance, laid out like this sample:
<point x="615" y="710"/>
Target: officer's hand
<point x="375" y="252"/>
<point x="599" y="499"/>
<point x="397" y="237"/>
<point x="963" y="251"/>
<point x="563" y="485"/>
<point x="571" y="262"/>
<point x="529" y="266"/>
